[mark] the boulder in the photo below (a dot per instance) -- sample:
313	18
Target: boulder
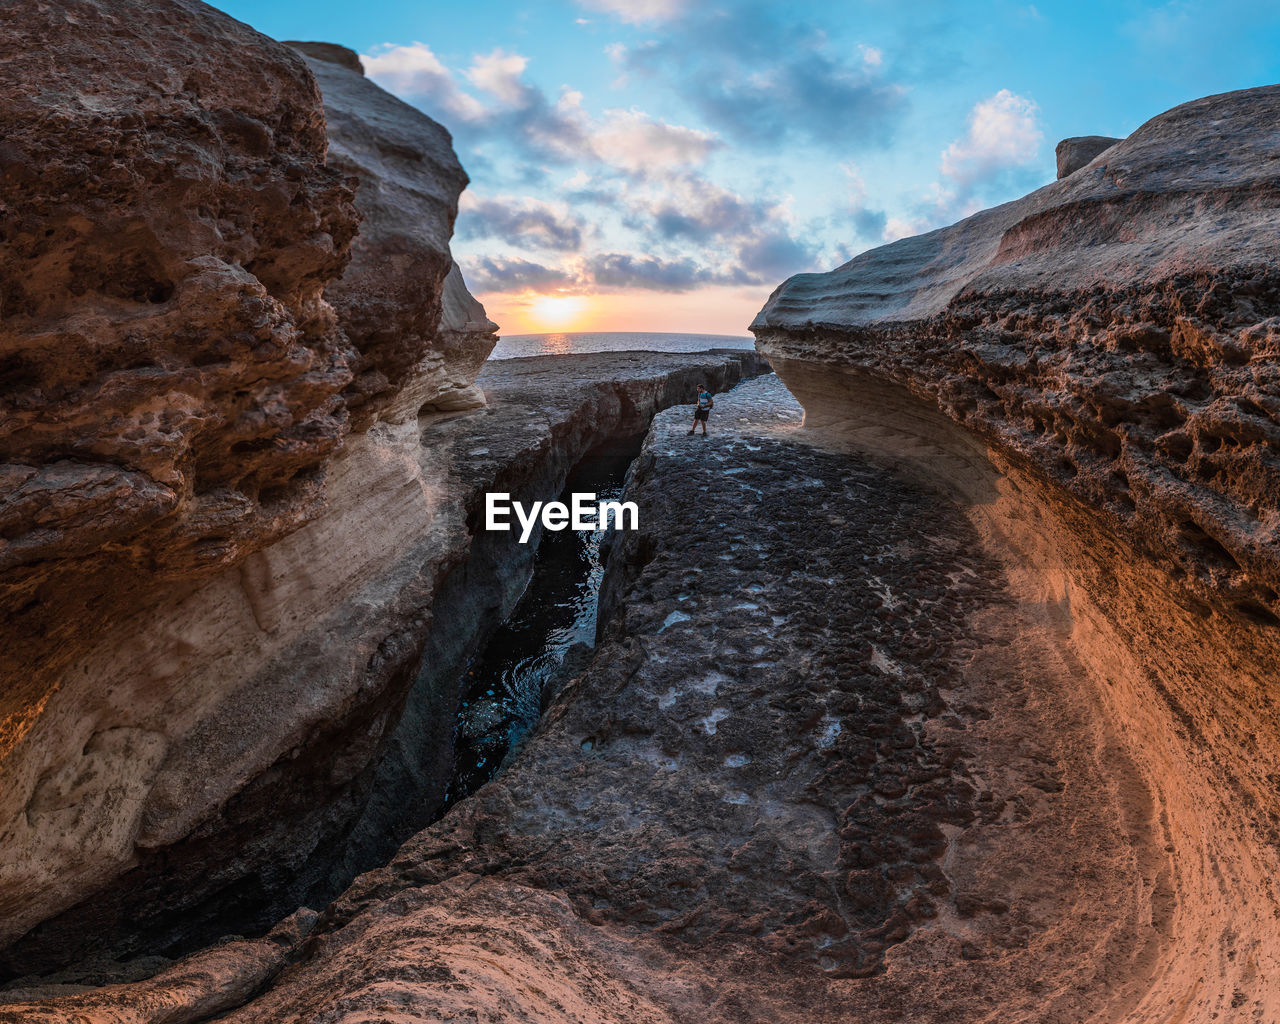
1074	153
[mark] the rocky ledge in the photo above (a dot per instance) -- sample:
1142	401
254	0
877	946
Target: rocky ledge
1092	371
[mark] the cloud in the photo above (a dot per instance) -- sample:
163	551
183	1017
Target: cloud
766	80
1003	132
605	270
691	207
501	274
688	208
508	109
765	260
773	255
633	141
995	158
414	70
629	270
868	223
512	110
499	73
903	227
519	221
670	227
637	11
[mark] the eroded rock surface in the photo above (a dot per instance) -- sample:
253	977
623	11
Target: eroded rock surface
172	382
1074	153
184	506
1117	330
171	373
1093	372
241	812
391	297
817	770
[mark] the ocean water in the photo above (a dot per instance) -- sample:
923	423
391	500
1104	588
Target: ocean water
519	345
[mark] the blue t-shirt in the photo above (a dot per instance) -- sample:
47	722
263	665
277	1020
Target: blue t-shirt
704	400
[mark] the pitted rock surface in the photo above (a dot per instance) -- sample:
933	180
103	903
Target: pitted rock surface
1117	331
390	300
170	371
814	771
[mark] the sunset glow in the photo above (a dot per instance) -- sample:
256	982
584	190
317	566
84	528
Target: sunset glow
663	165
557	312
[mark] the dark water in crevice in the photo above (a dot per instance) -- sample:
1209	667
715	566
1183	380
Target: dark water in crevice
501	702
507	681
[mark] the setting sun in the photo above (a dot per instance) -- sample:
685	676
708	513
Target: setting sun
557	312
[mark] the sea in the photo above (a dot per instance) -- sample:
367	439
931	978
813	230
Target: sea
518	345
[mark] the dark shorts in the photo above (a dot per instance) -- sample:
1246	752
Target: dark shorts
701	414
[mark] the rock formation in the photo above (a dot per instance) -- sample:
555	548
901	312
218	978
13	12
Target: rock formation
465	338
778	792
389	299
172	389
1092	370
438	598
955	703
203	642
1074	153
172	375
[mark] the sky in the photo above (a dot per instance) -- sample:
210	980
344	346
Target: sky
662	165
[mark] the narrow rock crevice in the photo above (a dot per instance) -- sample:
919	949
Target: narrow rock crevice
352	789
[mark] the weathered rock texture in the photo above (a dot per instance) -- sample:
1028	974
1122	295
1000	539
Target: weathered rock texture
1074	153
172	386
466	337
330	53
390	298
205	638
330	663
171	374
779	792
1094	371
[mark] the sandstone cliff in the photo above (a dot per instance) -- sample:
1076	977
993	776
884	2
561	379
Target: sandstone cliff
1093	371
390	299
1117	330
210	387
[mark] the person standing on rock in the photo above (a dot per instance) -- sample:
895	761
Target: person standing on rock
703	410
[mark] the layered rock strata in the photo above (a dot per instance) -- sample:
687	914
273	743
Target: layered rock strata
780	791
1074	153
1092	370
401	278
345	643
204	642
